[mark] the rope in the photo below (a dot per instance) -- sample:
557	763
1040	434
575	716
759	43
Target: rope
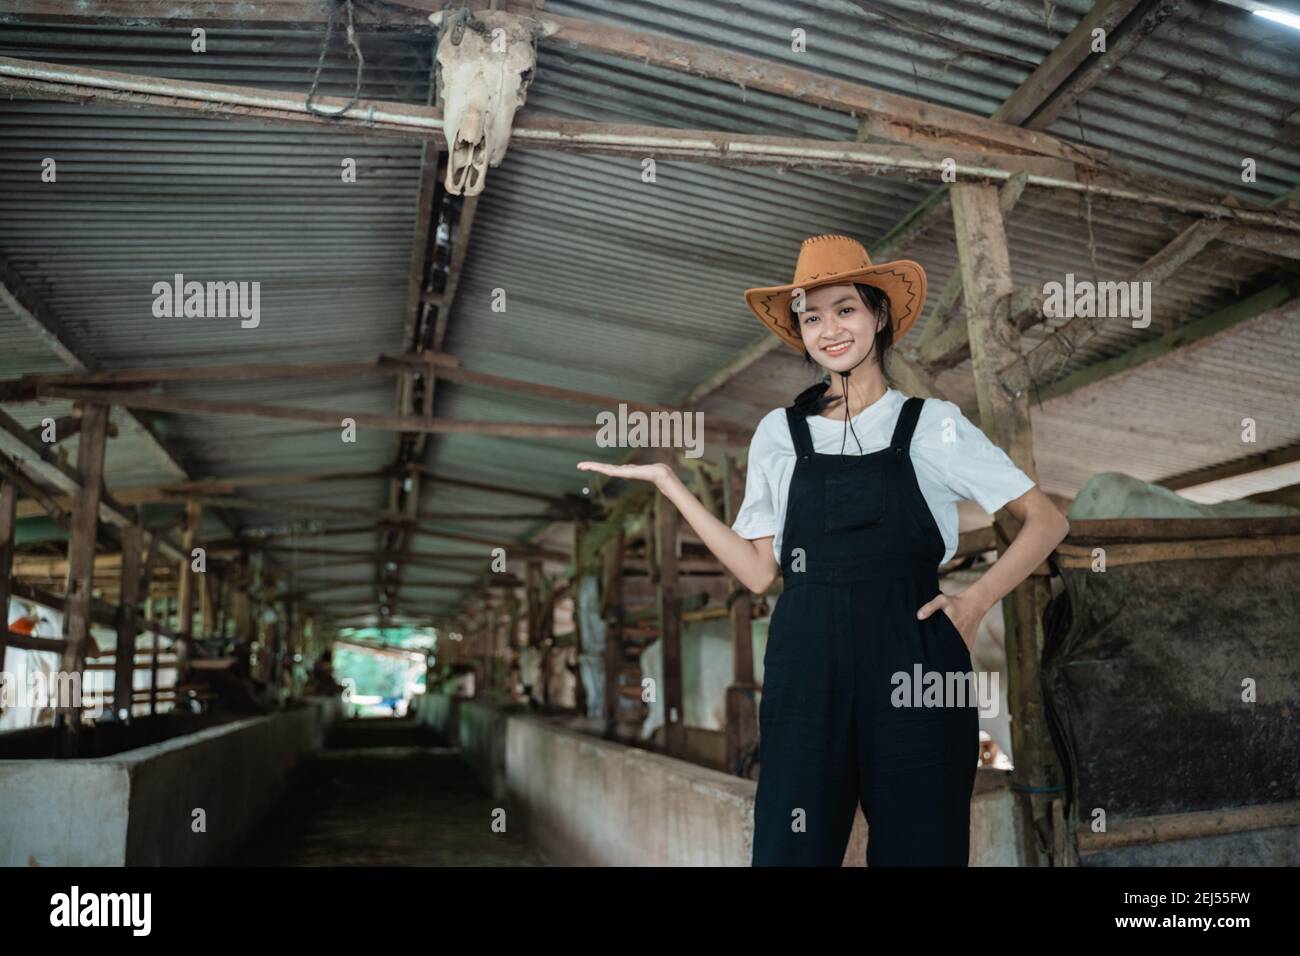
354	52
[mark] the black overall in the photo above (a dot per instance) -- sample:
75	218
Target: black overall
860	554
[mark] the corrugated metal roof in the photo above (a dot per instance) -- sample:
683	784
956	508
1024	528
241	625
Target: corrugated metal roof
615	285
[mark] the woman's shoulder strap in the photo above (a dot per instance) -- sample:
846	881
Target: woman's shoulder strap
796	414
907	418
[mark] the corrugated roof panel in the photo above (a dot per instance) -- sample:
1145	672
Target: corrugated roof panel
615	285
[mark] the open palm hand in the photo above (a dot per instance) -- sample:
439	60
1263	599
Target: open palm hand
654	473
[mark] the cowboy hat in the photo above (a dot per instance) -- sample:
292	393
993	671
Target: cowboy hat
828	260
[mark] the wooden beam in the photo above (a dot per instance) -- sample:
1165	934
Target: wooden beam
1126	24
939	319
1025	308
406	18
612	611
39	320
42	322
177	492
487	488
1026	371
1274	458
1073	556
488	516
1022	309
407	423
1277	301
39	80
239	372
81	553
1047	80
741	706
29	78
1272	241
28	565
891	115
1139	530
670	616
36	503
423	341
986	281
571	395
1168	827
37	460
67	426
185	597
279	506
431	558
1033	93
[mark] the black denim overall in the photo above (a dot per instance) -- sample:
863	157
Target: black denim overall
860	554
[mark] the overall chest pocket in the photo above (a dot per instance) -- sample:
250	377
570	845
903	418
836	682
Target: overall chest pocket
854	498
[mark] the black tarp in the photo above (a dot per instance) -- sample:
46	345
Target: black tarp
1143	679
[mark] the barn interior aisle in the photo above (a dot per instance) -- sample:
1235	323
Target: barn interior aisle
414	418
384	792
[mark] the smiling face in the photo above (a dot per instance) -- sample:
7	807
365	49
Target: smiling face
837	327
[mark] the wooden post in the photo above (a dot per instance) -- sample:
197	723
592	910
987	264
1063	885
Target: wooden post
670	615
283	643
613	632
127	616
580	531
81	552
185	593
485	636
8	507
986	280
207	606
153	658
533	584
741	711
243	617
512	635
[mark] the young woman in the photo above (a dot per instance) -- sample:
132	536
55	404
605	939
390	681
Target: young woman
851	495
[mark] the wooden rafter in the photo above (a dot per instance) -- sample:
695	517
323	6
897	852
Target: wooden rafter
42	321
35	79
335	418
42	467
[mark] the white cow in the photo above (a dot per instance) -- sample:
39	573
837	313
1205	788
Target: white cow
1115	495
706	675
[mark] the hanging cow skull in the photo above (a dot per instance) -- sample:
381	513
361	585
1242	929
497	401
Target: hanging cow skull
485	65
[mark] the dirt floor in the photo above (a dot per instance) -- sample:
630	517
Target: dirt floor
386	792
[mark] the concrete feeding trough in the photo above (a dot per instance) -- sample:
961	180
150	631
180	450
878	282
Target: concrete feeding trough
187	799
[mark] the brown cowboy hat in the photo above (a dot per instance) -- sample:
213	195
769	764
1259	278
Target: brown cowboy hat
828	260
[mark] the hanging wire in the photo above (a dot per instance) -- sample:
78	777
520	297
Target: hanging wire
844	387
354	52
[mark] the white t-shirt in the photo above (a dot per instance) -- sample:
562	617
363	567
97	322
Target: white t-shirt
953	460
